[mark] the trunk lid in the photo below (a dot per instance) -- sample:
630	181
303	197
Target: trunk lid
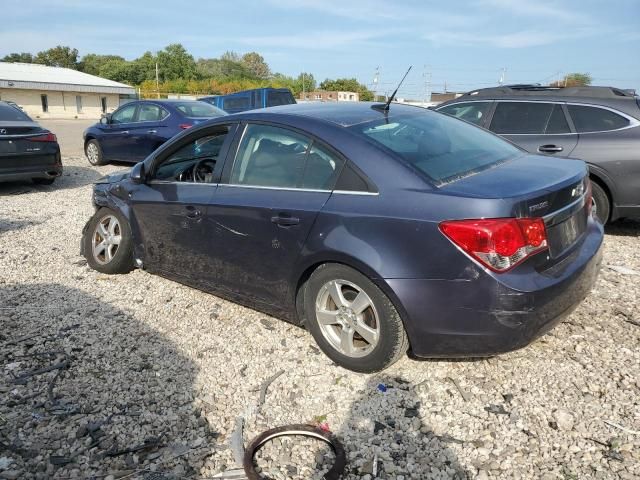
535	186
10	129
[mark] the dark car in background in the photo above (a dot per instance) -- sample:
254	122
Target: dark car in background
600	125
251	99
137	128
379	230
27	151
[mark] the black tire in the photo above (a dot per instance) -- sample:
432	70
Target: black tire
122	260
601	203
43	181
99	158
392	341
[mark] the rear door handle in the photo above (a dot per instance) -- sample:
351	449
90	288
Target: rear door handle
549	149
193	212
285	220
152	131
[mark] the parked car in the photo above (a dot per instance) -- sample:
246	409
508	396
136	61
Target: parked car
27	151
377	230
15	105
137	128
251	99
600	125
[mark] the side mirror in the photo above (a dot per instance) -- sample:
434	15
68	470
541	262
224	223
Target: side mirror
105	119
137	174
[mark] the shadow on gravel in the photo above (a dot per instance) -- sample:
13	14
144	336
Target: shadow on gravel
626	227
391	407
72	177
87	391
7	225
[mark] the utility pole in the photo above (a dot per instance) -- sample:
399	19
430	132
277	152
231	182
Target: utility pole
503	76
304	97
157	82
376	80
427	85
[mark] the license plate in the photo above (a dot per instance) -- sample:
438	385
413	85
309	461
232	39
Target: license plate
7	146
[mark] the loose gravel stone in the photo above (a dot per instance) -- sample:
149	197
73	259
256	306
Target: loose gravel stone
155	374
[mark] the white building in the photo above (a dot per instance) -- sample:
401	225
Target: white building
53	92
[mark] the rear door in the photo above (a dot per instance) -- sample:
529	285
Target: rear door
275	186
145	131
118	142
538	127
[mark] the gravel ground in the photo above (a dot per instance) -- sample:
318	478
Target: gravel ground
147	377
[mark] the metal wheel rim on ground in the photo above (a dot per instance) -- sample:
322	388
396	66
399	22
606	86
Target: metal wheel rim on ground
106	239
350	325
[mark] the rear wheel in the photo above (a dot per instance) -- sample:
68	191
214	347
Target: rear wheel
601	204
107	243
43	181
352	320
94	153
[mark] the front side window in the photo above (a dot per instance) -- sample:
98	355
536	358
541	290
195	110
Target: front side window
441	147
270	157
194	162
124	115
517	118
472	112
593	119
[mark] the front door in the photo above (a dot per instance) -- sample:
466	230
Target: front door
117	141
169	209
262	214
538	127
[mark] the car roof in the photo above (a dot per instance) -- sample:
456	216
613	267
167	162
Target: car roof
344	114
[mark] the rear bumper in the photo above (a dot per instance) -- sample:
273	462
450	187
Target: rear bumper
484	316
44	167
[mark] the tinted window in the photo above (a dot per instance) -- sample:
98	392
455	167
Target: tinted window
124	115
321	169
279	98
594	119
149	113
472	112
441	147
270	157
198	109
521	117
204	150
557	122
233	103
9	113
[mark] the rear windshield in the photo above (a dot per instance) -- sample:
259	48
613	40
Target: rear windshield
9	114
443	148
199	109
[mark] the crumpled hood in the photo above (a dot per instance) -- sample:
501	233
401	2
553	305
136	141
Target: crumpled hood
114	177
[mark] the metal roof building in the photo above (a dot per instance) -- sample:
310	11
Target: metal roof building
54	92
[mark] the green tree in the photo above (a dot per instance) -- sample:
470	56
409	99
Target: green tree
59	56
118	70
306	82
255	64
24	57
175	63
574	80
92	63
347	85
143	68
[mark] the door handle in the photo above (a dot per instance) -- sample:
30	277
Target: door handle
549	149
285	220
152	131
193	212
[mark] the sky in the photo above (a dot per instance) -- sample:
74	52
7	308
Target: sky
463	43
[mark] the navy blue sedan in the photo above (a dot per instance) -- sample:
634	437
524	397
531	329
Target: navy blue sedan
137	128
380	231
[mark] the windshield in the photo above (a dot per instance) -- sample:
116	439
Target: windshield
199	109
11	114
443	148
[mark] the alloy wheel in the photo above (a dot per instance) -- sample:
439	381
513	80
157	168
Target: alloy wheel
347	318
106	239
92	153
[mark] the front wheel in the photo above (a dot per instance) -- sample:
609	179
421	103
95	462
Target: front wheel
353	322
107	242
94	153
601	204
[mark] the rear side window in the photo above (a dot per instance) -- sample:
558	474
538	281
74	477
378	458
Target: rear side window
513	118
472	112
321	169
233	103
593	119
275	98
439	146
9	114
149	113
198	109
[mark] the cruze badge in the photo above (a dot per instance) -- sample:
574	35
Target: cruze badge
539	206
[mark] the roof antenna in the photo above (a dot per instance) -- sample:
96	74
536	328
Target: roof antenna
385	107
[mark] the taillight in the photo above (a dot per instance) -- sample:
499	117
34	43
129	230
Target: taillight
500	243
47	137
184	126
